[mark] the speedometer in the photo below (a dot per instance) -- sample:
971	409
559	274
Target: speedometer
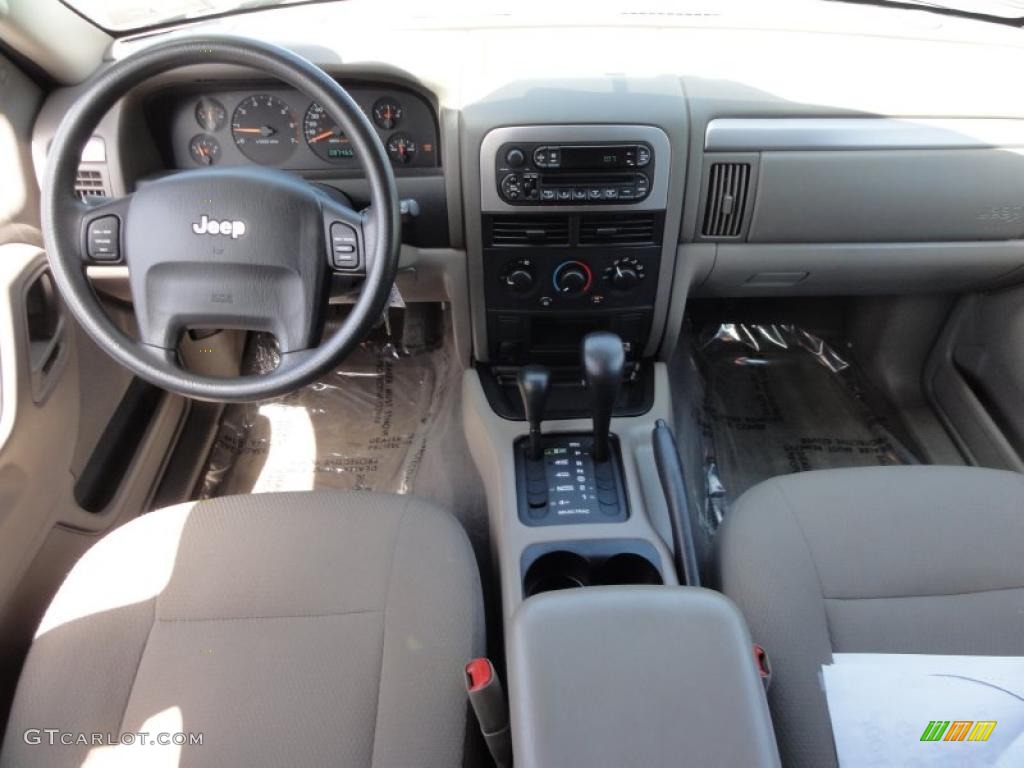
324	136
264	129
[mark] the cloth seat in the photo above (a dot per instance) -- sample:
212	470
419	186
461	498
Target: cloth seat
299	629
871	560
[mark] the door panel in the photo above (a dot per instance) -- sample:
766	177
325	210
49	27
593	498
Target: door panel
59	396
65	419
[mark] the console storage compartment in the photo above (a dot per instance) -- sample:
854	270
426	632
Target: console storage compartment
635	675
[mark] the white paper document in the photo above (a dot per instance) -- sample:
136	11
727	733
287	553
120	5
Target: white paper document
915	710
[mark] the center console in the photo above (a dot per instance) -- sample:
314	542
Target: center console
573	221
616	656
573	239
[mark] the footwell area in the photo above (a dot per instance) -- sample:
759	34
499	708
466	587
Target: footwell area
363	427
777	400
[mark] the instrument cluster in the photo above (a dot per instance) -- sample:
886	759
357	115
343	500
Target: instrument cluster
284	129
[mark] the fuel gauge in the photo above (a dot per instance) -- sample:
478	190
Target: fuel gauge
204	149
401	149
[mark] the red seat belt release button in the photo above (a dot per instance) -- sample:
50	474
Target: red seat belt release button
487	697
479	674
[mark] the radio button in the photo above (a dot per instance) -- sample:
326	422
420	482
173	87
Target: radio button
594	193
643	156
626	193
547	194
611	193
565	193
579	193
540	156
554	157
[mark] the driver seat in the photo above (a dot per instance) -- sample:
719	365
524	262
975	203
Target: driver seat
316	628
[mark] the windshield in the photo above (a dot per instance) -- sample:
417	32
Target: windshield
124	15
129	15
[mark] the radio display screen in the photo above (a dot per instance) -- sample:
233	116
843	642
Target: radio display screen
598	157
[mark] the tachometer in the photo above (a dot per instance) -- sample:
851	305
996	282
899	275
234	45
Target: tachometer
264	129
401	149
324	136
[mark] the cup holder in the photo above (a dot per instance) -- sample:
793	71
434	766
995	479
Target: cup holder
628	568
565	569
557	570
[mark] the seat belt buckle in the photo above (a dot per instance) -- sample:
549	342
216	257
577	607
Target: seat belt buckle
764	666
487	697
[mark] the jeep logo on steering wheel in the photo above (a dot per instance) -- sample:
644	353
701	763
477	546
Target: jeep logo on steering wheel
208	226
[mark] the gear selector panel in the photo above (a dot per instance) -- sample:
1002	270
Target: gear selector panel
566	486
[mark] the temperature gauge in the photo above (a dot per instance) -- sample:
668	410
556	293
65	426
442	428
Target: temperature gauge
204	149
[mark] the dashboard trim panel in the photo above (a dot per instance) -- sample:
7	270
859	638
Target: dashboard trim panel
794	134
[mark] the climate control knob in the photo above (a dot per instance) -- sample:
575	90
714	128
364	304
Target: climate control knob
518	276
624	274
572	278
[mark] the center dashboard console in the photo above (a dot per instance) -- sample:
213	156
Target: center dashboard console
573	222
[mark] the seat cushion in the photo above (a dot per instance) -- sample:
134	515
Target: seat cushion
872	560
294	629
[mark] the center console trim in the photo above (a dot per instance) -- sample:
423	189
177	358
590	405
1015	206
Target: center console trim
656	200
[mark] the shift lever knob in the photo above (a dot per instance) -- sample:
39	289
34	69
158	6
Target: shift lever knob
603	362
534	381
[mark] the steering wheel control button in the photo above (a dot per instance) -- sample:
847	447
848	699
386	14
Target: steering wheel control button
344	246
103	239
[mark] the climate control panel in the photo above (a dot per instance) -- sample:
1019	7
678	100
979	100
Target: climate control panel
548	281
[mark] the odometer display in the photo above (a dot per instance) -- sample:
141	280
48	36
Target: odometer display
264	129
325	137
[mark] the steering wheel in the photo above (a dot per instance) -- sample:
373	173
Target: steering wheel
242	248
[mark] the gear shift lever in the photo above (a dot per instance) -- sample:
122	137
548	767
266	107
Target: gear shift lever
534	381
603	362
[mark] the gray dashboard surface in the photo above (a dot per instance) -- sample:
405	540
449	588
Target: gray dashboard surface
753	134
668	71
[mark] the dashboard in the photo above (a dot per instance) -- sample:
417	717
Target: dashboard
281	128
762	178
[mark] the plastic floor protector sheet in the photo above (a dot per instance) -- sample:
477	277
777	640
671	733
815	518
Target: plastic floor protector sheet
917	710
778	400
363	427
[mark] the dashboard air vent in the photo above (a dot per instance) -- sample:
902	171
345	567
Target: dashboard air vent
618	229
727	199
530	230
90	183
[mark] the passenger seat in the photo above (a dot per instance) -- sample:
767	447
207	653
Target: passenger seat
872	560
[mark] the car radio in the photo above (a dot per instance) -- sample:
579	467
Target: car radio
538	173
